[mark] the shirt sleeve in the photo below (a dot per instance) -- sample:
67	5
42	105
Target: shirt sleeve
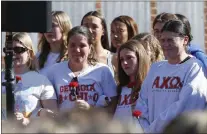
48	92
142	104
194	50
193	96
108	83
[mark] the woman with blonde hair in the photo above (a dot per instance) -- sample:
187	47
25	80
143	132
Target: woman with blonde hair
52	46
32	98
151	45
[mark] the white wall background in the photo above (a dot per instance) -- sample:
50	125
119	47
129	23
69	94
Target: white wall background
139	11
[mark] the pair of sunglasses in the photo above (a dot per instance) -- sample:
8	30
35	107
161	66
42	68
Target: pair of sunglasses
19	50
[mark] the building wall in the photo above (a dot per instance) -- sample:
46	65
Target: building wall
142	12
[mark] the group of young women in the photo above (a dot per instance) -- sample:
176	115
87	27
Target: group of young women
75	67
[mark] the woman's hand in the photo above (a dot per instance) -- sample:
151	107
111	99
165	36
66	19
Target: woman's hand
82	104
45	112
20	117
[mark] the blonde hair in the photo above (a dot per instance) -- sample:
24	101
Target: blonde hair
150	40
65	25
26	41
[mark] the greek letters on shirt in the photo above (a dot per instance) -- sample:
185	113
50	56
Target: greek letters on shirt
85	92
168	83
126	99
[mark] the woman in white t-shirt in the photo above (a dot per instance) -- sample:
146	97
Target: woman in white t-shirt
34	94
96	23
133	66
52	46
94	79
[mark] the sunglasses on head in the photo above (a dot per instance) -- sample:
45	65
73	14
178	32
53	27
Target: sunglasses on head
19	50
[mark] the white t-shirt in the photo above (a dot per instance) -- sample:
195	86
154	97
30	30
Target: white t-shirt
169	90
109	61
35	87
51	60
94	81
124	110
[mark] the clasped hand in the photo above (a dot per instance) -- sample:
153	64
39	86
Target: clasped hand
82	104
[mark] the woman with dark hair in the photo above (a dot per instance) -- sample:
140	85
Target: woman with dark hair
193	49
123	28
158	24
92	79
172	86
133	66
96	24
160	21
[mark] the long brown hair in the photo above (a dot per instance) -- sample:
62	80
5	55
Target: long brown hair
143	65
104	38
132	27
44	47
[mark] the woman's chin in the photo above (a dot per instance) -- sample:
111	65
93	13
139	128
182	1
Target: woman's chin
18	65
78	61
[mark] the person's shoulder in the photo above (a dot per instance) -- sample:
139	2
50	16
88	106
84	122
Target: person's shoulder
57	66
159	63
34	75
99	65
194	61
194	49
33	78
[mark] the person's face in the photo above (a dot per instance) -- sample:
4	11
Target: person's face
95	27
55	35
172	44
128	61
157	29
119	33
78	49
21	54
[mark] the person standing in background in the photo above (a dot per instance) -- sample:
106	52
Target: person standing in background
52	47
151	45
96	24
